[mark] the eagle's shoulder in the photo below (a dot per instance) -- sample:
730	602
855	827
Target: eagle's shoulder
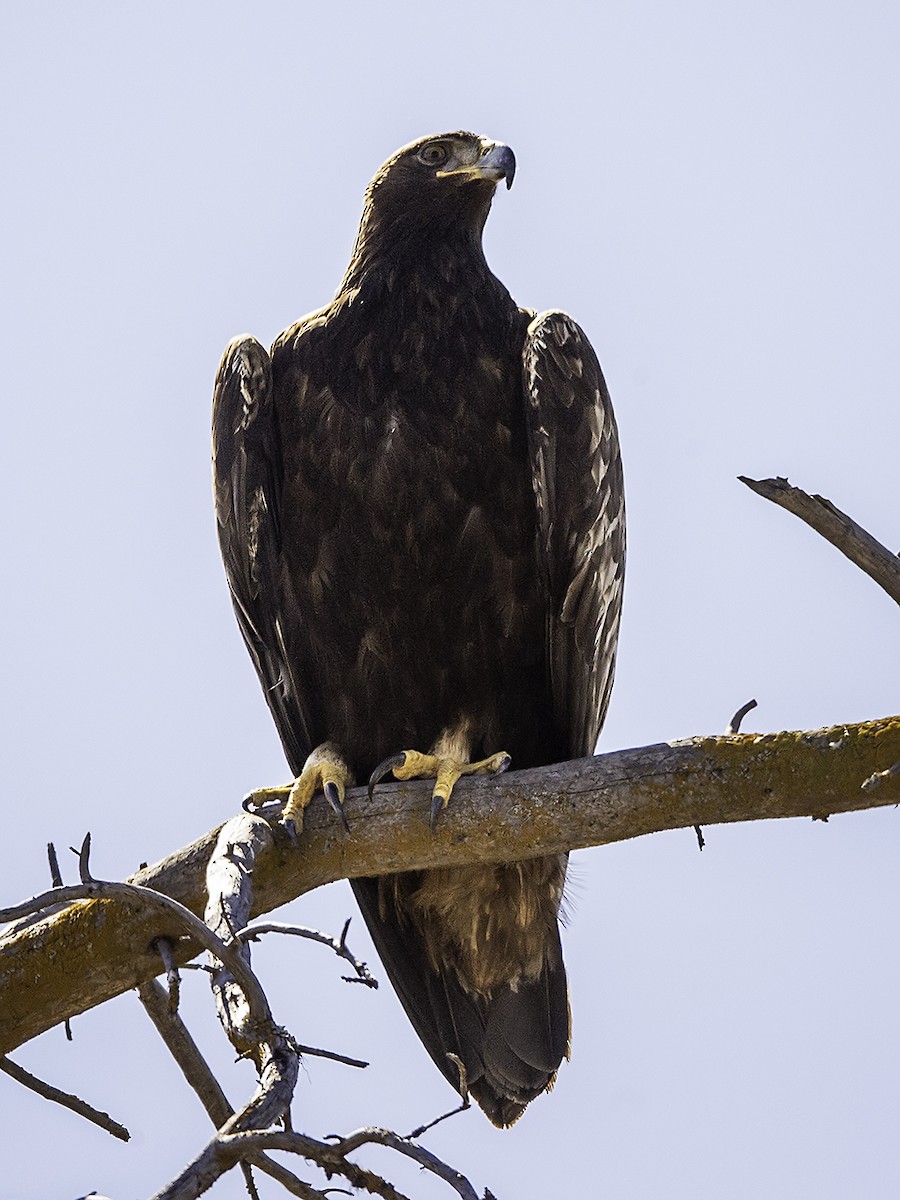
302	334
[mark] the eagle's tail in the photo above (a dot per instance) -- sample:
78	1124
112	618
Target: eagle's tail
526	1035
510	1043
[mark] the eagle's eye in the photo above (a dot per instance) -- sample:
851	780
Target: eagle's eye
434	154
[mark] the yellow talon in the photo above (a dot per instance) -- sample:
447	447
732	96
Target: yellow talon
324	771
443	769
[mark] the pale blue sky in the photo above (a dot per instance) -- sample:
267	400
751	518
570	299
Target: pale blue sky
712	191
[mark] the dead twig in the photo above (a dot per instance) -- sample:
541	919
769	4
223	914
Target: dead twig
466	1103
338	945
198	1074
384	1137
332	1054
225	1151
734	724
228	1148
164	949
836	527
55	875
84	859
243	1010
66	1099
56	881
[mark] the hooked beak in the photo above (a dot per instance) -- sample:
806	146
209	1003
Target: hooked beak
496	163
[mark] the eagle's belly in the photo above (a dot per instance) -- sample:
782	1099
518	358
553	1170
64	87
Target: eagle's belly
415	572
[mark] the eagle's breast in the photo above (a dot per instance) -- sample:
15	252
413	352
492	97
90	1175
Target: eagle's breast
409	520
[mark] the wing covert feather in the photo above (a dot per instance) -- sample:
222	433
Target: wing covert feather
247	481
580	495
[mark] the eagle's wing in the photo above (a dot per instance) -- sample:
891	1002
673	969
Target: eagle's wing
247	480
580	496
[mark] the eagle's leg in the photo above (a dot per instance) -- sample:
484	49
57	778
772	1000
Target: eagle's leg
325	771
446	763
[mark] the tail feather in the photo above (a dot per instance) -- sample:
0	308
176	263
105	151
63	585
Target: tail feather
510	1043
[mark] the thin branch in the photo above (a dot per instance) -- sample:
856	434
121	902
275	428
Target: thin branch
165	950
242	1004
338	945
84	858
384	1137
464	1106
277	1077
249	1181
229	1148
224	1152
198	1074
56	881
243	843
331	1054
836	527
82	958
734	724
66	1099
55	875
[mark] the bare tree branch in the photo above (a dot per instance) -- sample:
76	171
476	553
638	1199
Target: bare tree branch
198	1074
185	1051
277	1078
332	1157
242	843
142	901
734	725
333	1055
49	970
384	1137
242	1005
836	527
338	945
66	1099
55	875
173	981
228	1149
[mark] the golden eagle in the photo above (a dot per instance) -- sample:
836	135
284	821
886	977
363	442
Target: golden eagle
420	508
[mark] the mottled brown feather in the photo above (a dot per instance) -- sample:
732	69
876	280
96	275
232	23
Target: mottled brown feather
420	508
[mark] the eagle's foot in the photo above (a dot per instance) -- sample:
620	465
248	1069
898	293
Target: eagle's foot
325	771
443	769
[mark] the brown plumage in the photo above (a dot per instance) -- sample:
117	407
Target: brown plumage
421	514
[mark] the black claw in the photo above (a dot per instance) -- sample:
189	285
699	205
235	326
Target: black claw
269	811
504	764
333	796
396	760
291	830
438	803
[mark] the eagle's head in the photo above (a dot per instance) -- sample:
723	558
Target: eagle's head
436	189
445	165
